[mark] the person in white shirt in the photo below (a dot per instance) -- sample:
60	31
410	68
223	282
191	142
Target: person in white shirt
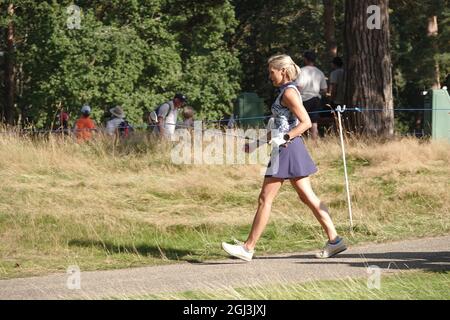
117	118
167	114
312	84
337	89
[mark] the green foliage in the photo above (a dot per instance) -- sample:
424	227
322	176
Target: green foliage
270	27
126	53
139	53
414	54
212	71
92	65
212	81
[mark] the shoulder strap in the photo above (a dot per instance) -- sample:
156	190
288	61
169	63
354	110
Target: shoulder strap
170	108
289	86
293	87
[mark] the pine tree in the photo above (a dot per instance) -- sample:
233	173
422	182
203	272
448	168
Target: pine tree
368	67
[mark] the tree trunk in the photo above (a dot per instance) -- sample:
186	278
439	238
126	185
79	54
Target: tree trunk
329	26
433	33
10	76
368	67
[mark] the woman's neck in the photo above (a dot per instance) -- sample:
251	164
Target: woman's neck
284	84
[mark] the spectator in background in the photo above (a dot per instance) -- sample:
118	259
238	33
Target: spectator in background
118	125
227	121
117	117
418	127
148	121
84	125
167	115
63	122
188	117
231	122
311	84
337	89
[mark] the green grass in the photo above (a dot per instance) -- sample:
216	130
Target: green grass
401	286
46	239
105	208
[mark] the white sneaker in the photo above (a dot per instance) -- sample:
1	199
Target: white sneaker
331	250
238	251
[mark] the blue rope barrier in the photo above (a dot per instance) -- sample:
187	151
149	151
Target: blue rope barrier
144	126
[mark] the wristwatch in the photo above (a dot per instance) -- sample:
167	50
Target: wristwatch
287	137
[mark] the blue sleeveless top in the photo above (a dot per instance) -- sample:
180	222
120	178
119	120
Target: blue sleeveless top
284	119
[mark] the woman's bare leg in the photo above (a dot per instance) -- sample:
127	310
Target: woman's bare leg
269	190
320	210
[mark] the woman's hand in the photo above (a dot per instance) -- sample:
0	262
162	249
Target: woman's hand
278	141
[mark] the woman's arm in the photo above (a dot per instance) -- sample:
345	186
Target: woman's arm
160	125
292	100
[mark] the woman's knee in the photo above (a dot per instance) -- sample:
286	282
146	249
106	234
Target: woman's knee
311	201
265	199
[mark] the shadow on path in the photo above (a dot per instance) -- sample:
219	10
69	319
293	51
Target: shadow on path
144	250
432	261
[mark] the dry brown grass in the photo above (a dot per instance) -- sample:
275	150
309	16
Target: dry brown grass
68	179
53	191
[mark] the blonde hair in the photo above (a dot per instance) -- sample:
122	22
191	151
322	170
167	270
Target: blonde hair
283	61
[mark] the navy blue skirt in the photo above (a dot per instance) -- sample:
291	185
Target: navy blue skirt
292	161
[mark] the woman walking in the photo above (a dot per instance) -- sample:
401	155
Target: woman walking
290	160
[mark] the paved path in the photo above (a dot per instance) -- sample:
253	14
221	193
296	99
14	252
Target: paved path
423	254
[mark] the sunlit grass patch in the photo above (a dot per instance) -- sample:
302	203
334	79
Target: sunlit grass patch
106	207
401	286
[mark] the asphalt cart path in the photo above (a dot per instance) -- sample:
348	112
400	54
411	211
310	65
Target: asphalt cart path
420	254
